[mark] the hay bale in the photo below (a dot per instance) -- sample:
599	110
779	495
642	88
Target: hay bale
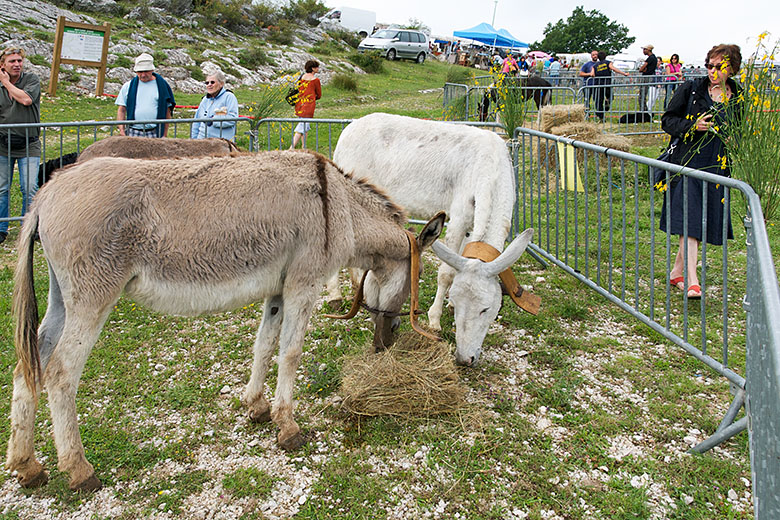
556	115
580	131
416	376
616	142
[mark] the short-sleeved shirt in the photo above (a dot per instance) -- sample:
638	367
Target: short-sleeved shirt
652	63
587	67
11	111
146	100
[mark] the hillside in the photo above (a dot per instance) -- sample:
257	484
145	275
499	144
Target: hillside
184	49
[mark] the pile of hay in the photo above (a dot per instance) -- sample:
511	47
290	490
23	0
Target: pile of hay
579	131
551	116
416	376
616	142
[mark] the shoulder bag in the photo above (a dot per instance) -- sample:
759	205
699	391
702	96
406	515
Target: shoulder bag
658	175
293	93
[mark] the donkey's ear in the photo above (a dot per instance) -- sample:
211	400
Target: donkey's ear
432	230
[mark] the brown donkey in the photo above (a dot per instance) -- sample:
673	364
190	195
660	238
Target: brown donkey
188	238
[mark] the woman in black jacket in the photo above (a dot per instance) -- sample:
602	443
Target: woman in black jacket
699	114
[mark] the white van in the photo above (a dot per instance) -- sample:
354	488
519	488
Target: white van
357	20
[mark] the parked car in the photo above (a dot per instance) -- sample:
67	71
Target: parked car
397	43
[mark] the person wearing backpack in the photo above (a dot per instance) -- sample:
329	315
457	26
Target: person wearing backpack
309	91
218	103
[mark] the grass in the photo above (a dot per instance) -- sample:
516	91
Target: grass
566	416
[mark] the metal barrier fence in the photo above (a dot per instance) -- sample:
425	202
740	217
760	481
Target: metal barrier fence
605	236
628	108
479	103
615	106
58	139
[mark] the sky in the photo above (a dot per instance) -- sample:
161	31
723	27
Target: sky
684	27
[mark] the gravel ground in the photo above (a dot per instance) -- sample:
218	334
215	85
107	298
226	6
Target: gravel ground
296	474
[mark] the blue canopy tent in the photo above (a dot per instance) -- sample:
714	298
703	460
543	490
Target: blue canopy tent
485	33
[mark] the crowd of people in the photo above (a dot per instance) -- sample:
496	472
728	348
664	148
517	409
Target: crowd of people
652	71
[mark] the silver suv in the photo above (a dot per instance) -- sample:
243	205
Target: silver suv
397	43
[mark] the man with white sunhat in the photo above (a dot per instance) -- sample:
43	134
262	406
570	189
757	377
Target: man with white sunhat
146	96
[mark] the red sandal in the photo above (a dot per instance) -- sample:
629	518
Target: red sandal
694	292
677	282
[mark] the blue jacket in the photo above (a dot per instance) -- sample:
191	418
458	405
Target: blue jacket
208	105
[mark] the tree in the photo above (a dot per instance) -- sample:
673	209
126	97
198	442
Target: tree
417	25
583	32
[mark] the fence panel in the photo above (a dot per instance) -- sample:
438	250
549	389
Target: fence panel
59	139
605	235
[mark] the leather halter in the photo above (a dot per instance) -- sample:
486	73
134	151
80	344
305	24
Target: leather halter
487	253
357	302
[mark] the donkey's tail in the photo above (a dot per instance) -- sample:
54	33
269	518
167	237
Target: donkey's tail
25	306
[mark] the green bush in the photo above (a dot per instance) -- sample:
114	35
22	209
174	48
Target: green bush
159	58
350	38
230	14
459	75
196	73
264	13
37	59
43	36
180	7
321	50
281	33
123	61
372	62
308	11
253	58
345	82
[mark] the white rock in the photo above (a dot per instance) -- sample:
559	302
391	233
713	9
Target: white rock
301	500
543	423
733	495
687	499
225	389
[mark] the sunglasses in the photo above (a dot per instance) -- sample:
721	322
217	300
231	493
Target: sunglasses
710	66
209	82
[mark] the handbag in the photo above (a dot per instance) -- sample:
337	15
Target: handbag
293	93
658	175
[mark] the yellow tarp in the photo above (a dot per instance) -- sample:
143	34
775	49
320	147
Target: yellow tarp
570	177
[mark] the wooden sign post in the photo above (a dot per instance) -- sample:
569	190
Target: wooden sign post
81	44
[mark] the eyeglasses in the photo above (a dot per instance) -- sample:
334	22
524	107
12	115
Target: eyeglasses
209	82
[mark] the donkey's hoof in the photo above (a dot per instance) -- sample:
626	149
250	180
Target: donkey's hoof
291	443
260	416
89	485
34	481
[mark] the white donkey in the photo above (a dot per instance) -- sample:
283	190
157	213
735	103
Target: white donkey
187	238
428	166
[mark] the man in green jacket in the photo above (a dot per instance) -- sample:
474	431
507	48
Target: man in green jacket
20	98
